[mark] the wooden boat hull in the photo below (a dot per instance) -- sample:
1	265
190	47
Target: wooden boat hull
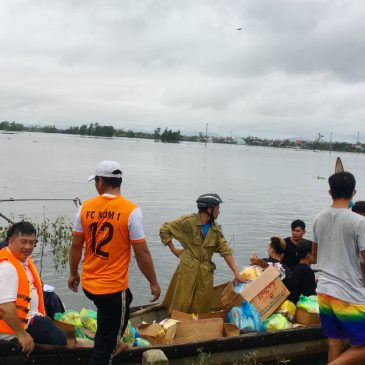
266	348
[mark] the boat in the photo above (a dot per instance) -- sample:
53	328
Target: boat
301	345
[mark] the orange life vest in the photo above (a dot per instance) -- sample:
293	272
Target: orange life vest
24	290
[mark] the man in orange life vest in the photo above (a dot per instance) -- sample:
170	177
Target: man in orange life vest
110	226
22	313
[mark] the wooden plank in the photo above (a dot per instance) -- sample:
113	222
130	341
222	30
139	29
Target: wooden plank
339	165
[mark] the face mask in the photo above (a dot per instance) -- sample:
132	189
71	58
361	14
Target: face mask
351	204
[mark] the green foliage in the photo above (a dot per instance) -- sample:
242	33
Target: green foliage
248	358
7	126
54	236
169	136
203	357
57	236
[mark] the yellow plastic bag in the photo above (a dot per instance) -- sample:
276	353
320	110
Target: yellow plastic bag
88	319
288	309
251	272
70	317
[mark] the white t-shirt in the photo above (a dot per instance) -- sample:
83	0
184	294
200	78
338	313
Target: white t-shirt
135	223
340	234
9	290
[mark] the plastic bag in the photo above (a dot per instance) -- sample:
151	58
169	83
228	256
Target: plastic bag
238	286
129	335
141	342
167	323
246	317
287	309
309	304
249	273
252	272
88	319
72	317
277	321
69	317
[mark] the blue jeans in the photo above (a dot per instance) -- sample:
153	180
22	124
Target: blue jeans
44	331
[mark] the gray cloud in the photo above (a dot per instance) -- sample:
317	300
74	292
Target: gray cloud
295	68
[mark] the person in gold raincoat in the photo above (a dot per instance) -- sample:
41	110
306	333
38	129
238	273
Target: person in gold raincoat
191	287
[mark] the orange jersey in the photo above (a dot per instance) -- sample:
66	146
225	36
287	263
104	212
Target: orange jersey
106	222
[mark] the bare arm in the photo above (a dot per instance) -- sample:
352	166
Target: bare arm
173	249
362	265
10	316
145	264
74	258
231	263
314	251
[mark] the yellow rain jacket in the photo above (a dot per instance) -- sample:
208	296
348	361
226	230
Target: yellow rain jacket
191	286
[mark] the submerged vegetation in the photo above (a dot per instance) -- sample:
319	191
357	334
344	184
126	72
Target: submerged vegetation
54	238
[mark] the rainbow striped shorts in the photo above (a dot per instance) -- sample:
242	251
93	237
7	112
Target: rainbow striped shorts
341	319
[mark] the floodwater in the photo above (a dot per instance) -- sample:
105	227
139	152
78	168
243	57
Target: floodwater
263	189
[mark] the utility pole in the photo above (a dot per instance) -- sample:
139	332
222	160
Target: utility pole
320	136
206	134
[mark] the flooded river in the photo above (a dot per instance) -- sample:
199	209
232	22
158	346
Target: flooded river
263	189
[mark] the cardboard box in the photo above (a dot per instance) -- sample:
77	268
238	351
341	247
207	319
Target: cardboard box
303	317
155	334
230	298
181	316
188	329
217	296
215	314
69	329
266	293
184	317
230	330
199	330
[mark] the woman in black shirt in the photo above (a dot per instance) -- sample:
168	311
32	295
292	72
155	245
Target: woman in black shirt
304	281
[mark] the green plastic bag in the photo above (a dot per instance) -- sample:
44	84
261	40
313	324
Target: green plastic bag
72	317
141	342
277	321
128	336
69	317
309	304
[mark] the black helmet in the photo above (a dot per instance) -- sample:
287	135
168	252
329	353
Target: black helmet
208	200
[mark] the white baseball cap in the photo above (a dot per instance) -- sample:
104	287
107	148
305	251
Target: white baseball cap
107	169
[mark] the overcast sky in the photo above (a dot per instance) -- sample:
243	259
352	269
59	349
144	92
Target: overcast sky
295	69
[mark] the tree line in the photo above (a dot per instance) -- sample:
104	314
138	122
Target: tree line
314	145
170	136
98	130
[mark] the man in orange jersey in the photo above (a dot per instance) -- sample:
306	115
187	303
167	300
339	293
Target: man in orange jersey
109	225
22	313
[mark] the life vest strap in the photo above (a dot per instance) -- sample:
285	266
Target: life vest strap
21	307
25	297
